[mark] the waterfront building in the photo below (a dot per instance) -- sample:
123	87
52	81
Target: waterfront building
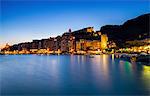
51	44
57	43
86	45
111	44
94	45
81	40
26	46
19	47
14	47
65	42
35	44
137	42
137	46
104	40
44	43
72	44
81	45
6	48
47	44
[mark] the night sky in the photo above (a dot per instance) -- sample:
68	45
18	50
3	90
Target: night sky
26	20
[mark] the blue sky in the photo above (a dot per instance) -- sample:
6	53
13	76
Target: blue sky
26	20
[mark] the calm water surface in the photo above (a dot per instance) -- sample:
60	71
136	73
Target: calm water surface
71	75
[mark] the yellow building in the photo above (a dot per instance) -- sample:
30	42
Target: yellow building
71	44
104	40
80	45
88	45
90	29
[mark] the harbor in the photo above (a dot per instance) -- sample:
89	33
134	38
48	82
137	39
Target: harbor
72	75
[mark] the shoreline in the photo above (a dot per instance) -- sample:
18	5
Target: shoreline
144	59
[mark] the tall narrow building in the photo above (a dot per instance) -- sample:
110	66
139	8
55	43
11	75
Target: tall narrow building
104	40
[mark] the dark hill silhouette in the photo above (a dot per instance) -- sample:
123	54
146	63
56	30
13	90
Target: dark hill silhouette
134	29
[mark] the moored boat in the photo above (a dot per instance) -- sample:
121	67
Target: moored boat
91	56
144	59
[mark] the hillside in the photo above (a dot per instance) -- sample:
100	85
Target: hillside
134	29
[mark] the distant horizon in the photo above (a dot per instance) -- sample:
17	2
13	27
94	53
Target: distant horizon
41	20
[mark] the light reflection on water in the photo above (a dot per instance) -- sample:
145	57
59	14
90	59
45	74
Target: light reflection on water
146	76
72	74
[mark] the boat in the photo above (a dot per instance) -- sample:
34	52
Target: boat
91	56
144	59
125	57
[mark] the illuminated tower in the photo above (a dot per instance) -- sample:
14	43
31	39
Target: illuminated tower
71	42
104	40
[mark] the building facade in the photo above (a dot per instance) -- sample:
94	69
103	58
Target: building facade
104	40
81	40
